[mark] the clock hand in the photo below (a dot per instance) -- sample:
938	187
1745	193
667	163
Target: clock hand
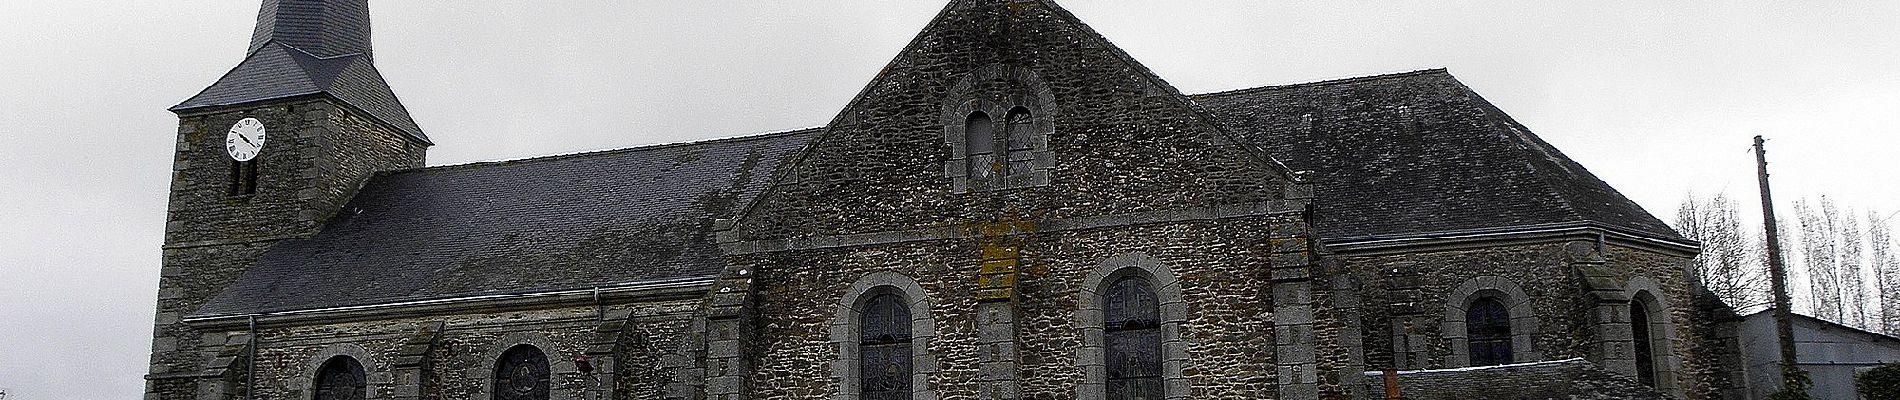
246	140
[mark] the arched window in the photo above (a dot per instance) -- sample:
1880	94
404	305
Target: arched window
1132	334
885	347
1488	329
341	378
980	145
1640	335
1021	129
521	374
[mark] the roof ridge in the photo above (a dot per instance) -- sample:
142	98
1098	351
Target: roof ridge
602	152
1328	82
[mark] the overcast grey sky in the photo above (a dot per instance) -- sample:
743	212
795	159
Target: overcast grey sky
1657	98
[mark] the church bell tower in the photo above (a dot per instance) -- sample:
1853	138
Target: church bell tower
268	153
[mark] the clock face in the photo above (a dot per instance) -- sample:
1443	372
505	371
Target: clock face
245	139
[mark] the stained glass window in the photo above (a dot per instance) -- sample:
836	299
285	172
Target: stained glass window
885	349
522	374
341	378
1132	333
1645	352
1488	330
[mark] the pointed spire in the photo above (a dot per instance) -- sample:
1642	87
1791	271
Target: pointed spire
308	47
324	28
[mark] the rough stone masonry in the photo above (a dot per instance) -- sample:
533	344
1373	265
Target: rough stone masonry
1013	208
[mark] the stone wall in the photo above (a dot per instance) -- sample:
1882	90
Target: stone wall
458	352
1224	268
1407	295
1573	379
1122	165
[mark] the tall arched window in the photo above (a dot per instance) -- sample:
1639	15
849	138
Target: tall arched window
1132	334
341	378
1645	348
980	145
521	374
884	345
1488	327
1021	128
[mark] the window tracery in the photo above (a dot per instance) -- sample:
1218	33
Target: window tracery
341	378
885	346
522	374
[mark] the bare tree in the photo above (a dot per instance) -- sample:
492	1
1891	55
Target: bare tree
1882	259
1853	293
1729	265
1818	236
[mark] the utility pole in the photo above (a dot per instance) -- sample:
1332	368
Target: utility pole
1778	274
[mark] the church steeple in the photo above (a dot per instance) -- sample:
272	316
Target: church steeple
268	153
310	47
324	28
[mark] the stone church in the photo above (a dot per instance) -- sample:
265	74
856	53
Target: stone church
1013	208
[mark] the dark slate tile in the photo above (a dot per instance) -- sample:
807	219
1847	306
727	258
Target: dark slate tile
1419	152
563	222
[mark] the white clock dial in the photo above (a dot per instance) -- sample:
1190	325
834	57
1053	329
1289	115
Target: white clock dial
245	139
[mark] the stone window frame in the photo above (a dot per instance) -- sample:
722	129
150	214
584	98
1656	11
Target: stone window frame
962	100
559	364
1645	291
1525	326
374	375
1092	358
845	329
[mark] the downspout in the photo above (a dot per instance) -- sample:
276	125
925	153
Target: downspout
250	367
600	310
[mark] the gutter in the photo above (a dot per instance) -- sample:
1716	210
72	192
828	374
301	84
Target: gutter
661	289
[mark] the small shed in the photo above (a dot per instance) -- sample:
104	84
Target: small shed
1831	353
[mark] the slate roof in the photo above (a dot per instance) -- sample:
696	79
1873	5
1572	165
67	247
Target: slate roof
535	225
326	28
307	47
1416	153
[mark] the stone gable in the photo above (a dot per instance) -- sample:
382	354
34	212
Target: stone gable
1116	139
